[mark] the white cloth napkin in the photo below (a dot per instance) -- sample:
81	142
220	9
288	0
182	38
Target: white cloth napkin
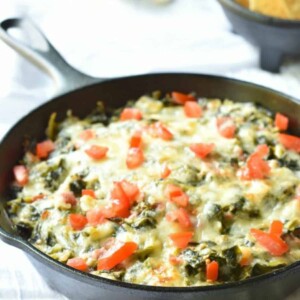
114	38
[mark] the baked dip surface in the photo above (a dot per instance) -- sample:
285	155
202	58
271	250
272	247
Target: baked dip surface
171	191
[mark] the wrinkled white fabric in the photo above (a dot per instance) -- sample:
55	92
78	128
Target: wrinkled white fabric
107	38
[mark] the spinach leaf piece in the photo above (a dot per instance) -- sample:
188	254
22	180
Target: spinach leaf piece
55	175
77	185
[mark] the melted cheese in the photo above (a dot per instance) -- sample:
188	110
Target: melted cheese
222	207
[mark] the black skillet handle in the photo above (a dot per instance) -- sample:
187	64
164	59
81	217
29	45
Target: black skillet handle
41	53
44	55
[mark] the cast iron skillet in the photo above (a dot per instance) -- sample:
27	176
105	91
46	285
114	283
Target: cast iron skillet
86	92
276	38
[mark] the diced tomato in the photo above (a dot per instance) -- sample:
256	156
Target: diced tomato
116	254
164	133
181	239
256	168
262	150
118	193
119	209
77	221
121	201
165	172
69	198
159	130
136	140
226	127
271	242
281	122
44	148
183	218
126	192
130	114
174	260
181	98
276	228
21	174
45	214
192	109
37	197
96	216
130	189
180	215
90	193
135	158
246	257
212	271
96	152
87	134
201	149
78	264
290	142
177	195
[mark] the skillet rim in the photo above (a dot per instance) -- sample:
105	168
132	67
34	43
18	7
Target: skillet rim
28	248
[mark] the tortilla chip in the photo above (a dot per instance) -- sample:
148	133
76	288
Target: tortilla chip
275	8
293	7
243	3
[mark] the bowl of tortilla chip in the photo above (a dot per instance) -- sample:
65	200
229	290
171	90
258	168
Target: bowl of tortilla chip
272	25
